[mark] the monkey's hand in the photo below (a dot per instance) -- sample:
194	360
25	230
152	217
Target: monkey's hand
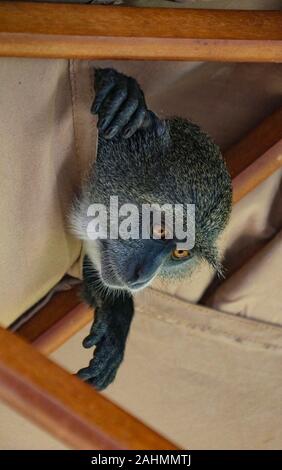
121	107
108	333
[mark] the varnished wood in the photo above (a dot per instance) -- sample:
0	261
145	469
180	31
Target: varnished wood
257	172
89	20
73	321
254	144
56	309
256	156
110	32
64	405
61	318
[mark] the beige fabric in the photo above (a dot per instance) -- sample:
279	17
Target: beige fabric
207	380
17	433
40	169
255	290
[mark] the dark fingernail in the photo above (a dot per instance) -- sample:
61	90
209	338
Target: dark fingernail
111	132
94	108
83	374
101	124
127	133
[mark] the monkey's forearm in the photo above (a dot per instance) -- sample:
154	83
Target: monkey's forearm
109	331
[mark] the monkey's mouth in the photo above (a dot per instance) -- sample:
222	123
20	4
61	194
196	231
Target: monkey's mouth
135	286
113	274
114	281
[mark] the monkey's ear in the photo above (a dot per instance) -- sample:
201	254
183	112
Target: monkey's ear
121	106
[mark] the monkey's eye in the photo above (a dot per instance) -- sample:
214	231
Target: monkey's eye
160	232
180	254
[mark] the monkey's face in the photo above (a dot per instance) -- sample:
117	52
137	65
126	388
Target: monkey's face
133	264
184	167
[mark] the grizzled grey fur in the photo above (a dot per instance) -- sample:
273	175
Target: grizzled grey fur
171	161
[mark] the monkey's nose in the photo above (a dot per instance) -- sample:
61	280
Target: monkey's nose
137	273
139	278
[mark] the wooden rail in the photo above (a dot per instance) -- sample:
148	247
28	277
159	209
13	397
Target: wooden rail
64	405
255	157
110	32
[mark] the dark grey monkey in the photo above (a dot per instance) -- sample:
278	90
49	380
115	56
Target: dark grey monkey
143	160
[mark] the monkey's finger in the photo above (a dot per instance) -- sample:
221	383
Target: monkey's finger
151	121
106	381
92	339
111	106
101	360
107	378
84	373
105	75
159	126
106	359
102	376
95	368
148	121
122	117
100	96
135	123
105	80
103	381
91	372
97	332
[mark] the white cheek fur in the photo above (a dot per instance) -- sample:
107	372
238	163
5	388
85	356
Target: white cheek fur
93	250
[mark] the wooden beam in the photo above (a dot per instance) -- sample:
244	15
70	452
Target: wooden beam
254	144
64	405
47	316
110	32
256	156
60	319
51	339
257	172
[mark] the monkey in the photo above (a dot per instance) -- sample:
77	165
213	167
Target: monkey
142	159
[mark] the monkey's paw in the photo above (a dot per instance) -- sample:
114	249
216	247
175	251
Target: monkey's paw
109	337
120	105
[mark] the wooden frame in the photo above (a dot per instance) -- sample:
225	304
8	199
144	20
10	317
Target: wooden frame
31	383
109	32
48	395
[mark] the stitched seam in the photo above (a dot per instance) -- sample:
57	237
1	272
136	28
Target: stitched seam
231	318
91	88
73	84
192	327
